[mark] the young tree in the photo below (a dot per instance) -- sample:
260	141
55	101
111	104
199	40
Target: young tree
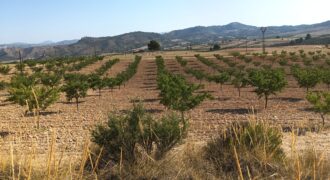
235	54
326	78
239	81
321	103
76	87
220	78
96	83
307	78
153	46
177	94
26	92
267	82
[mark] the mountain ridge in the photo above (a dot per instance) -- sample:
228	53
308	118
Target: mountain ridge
137	39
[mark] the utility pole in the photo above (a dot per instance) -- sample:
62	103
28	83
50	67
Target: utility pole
263	31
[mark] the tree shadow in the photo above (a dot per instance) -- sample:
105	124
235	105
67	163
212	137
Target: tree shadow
4	134
222	99
70	102
151	111
42	113
239	111
149	83
289	99
149	87
150	100
6	103
307	109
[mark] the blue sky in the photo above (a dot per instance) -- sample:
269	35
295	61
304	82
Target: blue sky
35	21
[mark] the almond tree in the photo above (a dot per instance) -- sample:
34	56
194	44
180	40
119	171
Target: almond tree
267	82
307	78
76	87
321	103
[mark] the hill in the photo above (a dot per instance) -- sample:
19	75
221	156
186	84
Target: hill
178	38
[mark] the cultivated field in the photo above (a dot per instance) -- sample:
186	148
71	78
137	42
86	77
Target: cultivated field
66	131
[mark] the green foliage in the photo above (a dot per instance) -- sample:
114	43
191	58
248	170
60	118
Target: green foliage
181	61
283	62
239	81
326	77
207	62
104	68
247	60
153	46
96	82
199	75
216	47
124	76
25	92
3	85
267	82
258	148
31	63
4	69
321	103
220	78
123	134
307	78
175	92
51	80
85	61
76	87
20	67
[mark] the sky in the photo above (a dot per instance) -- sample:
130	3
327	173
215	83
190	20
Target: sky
35	21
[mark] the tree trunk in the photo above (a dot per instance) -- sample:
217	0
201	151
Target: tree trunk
99	93
323	119
239	91
266	102
77	103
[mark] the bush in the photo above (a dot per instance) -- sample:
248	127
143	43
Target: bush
124	134
258	148
3	85
4	69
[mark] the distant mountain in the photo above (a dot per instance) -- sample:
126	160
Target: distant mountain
138	40
45	43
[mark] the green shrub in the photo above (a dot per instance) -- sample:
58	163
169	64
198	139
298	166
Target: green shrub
3	85
4	69
258	148
124	134
283	62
